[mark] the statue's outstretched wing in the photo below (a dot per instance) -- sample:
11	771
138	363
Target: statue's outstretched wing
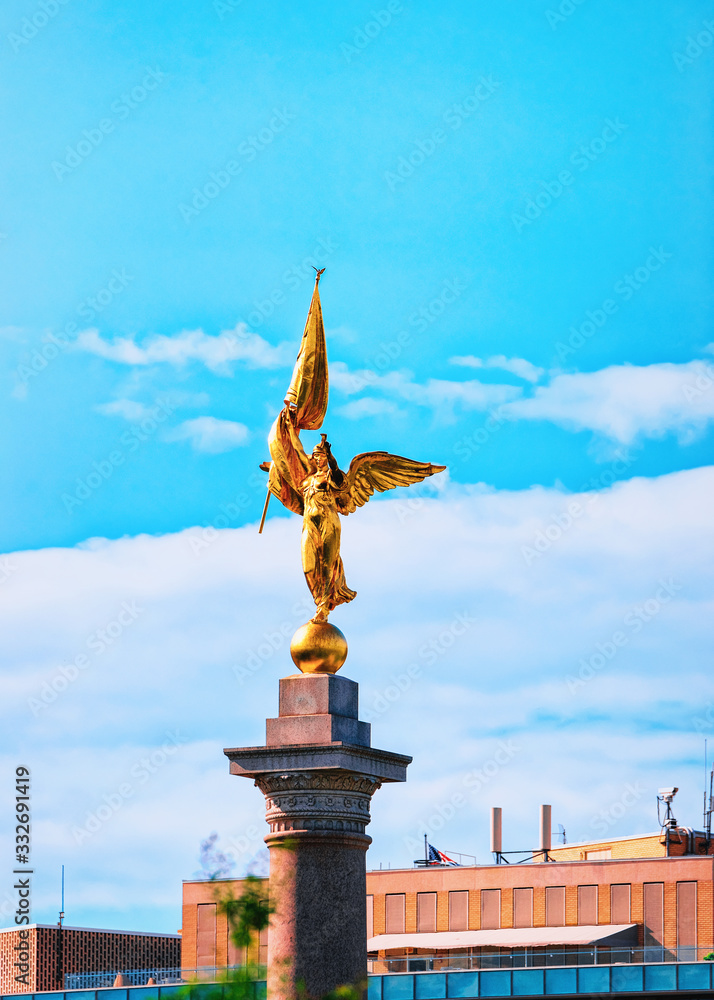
380	471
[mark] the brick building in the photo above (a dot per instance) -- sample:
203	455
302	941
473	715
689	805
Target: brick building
643	895
205	938
41	956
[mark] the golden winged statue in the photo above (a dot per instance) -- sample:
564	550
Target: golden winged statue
314	486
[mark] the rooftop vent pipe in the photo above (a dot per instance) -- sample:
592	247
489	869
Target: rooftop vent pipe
545	830
496	831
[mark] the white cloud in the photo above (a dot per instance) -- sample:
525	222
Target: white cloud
129	409
623	402
366	407
441	395
17	334
626	402
210	434
341	333
350	381
517	366
216	352
214	608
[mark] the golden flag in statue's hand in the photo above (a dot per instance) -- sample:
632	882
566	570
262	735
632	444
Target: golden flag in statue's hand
309	385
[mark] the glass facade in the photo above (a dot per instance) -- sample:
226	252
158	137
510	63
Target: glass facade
677	977
563	982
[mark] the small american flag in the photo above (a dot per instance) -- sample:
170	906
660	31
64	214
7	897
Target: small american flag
439	858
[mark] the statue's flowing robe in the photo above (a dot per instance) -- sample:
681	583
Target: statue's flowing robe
320	545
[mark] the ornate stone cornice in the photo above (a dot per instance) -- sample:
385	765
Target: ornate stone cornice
318	781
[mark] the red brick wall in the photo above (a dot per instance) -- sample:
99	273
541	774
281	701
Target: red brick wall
411	913
9	941
571	903
705	910
379	914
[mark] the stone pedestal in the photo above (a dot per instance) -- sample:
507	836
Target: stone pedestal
318	774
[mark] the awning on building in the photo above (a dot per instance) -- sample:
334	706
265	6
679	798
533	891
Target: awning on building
510	937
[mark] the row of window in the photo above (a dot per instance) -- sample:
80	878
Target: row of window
492	906
206	940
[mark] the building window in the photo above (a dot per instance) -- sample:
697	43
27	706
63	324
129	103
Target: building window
394	912
263	946
490	909
620	904
236	956
687	921
370	916
522	907
206	935
587	905
654	920
459	911
426	911
554	906
602	854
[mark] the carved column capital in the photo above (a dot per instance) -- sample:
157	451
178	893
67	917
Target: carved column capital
317	802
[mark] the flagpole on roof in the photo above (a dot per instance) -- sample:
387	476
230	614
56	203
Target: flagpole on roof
426	850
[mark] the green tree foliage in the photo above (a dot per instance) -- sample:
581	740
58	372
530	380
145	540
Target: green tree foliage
249	914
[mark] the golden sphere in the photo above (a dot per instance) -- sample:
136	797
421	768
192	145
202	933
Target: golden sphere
318	648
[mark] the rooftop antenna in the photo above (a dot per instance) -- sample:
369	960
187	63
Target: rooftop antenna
60	942
708	807
561	833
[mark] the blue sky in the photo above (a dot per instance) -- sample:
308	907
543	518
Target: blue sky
513	206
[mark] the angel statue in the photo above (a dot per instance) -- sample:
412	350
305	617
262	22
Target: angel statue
313	485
